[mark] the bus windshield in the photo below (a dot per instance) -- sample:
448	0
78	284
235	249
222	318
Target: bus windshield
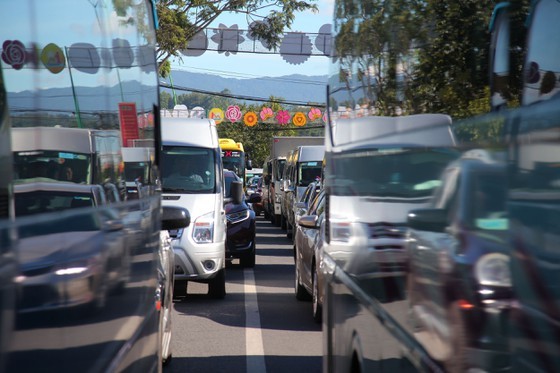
234	160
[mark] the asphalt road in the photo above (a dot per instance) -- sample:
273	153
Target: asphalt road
258	327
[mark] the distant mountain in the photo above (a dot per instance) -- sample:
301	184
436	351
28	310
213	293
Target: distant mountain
295	87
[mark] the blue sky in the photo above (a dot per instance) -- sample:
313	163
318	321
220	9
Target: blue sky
249	65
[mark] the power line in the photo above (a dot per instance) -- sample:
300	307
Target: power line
241	97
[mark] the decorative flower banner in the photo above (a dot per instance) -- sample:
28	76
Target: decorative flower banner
233	114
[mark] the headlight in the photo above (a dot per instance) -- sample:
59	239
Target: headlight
493	270
341	231
239	216
203	231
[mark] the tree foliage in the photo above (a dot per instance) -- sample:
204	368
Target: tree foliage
181	20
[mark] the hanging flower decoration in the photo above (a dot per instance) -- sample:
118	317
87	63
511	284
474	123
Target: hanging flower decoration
283	117
299	119
250	119
314	114
233	113
14	54
217	114
266	113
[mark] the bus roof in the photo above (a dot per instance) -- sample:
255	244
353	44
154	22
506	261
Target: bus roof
229	144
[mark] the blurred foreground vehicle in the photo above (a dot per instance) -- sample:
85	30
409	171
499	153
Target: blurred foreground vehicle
524	65
493	69
458	274
87	279
241	226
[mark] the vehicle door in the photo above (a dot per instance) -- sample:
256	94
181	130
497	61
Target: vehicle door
310	236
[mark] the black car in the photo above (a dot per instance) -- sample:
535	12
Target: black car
241	227
459	280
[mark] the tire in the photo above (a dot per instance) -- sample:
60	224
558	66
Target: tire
278	220
266	214
217	285
317	307
301	293
180	288
282	222
249	260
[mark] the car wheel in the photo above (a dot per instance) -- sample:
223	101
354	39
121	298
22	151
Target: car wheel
277	220
289	230
282	222
317	308
249	260
180	288
217	285
301	293
266	214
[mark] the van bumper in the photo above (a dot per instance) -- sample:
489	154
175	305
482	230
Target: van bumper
198	262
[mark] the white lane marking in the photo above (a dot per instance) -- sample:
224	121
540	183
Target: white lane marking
253	335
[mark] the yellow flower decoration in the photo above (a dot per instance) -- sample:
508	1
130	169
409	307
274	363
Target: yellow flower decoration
250	119
299	119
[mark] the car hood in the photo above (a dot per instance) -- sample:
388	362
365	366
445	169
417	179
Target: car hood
196	204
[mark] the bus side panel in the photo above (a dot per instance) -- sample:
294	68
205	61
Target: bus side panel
87	276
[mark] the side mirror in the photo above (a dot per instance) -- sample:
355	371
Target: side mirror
249	165
308	221
236	192
432	220
174	217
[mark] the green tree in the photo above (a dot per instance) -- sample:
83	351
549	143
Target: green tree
165	100
181	20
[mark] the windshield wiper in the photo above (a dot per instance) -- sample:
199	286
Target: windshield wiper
173	190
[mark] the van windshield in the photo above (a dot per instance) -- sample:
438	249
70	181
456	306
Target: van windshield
309	172
390	172
187	169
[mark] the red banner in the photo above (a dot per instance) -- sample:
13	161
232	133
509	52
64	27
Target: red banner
129	122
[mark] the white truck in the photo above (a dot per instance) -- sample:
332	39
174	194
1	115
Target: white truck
273	169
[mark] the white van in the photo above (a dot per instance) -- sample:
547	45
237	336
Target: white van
303	167
192	178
